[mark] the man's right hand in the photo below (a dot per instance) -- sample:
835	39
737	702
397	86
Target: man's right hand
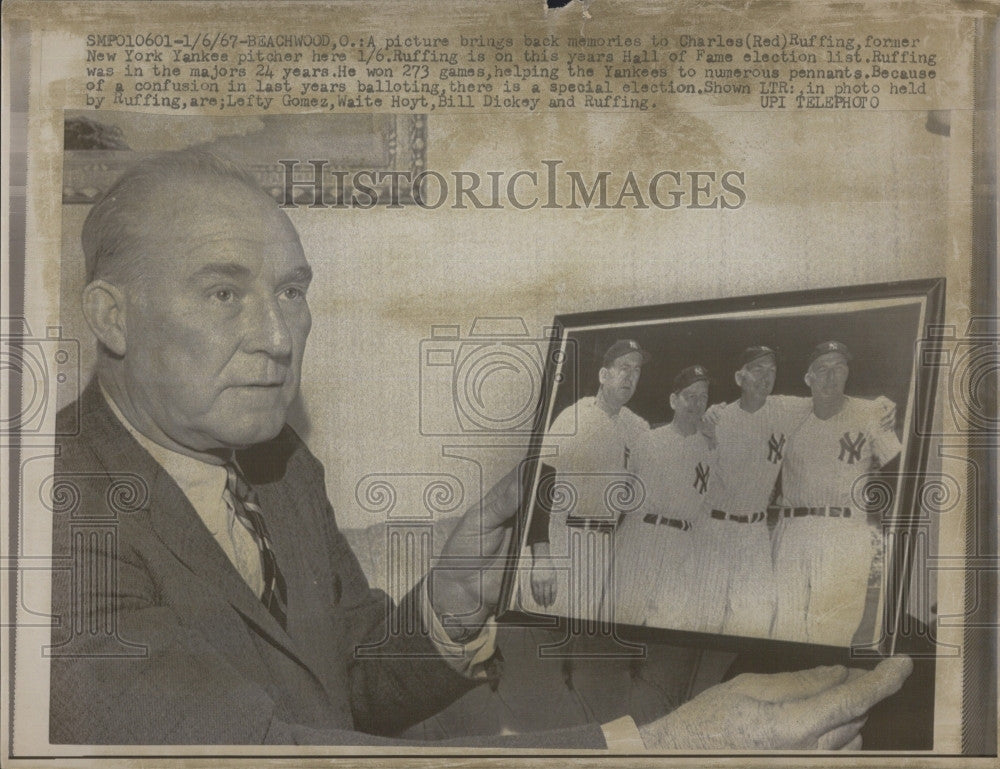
543	582
819	709
543	576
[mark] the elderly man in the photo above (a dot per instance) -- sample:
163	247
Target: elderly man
824	544
211	597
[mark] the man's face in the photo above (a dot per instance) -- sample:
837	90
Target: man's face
619	380
827	375
691	402
756	378
217	324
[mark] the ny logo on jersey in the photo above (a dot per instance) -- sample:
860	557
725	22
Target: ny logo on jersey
626	455
850	449
775	448
701	477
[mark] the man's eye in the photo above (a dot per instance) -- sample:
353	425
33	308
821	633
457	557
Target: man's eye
224	294
293	292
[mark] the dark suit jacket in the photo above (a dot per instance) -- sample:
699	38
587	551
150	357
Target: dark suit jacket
159	640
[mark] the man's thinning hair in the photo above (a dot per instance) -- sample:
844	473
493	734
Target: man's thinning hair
119	223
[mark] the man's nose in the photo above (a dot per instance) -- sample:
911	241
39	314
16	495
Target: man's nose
268	330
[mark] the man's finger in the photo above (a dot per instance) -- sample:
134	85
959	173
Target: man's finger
854	698
854	673
837	738
537	591
541	589
788	687
854	744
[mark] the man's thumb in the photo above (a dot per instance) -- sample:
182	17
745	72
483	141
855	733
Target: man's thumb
788	687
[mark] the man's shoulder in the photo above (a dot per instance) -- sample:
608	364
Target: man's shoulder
573	410
861	410
664	435
82	428
730	414
582	417
633	421
789	405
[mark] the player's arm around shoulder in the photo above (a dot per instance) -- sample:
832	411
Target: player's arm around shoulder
793	407
885	444
885	440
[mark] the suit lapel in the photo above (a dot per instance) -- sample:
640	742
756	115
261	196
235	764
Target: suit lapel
179	528
174	520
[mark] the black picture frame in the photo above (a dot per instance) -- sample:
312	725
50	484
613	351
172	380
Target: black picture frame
894	327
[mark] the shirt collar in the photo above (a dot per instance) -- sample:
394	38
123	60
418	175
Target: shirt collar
203	483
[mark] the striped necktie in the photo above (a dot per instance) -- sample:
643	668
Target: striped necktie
248	512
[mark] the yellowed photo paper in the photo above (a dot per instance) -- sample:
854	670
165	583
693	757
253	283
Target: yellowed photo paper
591	381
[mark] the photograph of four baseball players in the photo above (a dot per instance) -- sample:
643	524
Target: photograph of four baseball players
741	519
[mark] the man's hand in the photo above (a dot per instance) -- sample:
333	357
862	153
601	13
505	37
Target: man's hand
819	709
709	421
465	582
887	420
543	575
712	415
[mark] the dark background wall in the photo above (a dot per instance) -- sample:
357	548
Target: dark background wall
882	341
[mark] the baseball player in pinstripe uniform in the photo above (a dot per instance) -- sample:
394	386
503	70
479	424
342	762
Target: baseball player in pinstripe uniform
592	466
656	547
751	436
824	545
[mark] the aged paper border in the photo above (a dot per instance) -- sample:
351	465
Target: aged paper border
978	240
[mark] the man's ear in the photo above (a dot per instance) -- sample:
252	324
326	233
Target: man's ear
602	375
738	376
808	378
104	309
673	401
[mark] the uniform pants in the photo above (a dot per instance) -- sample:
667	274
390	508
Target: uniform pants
656	575
822	567
583	559
739	578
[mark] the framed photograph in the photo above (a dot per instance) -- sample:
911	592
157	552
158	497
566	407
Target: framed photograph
323	242
742	468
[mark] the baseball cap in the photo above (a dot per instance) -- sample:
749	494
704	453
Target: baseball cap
752	353
827	347
689	376
620	348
